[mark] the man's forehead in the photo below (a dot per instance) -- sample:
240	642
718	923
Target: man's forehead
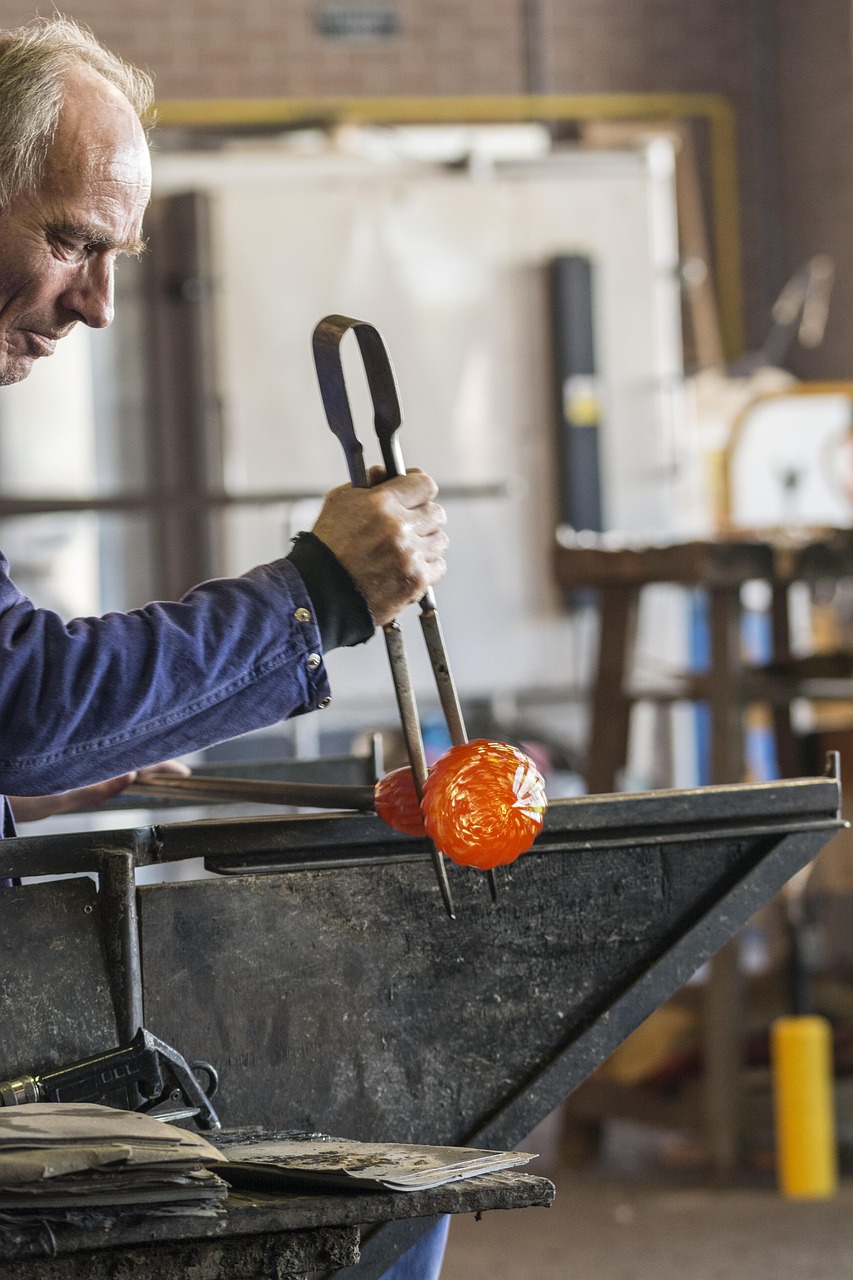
99	133
96	182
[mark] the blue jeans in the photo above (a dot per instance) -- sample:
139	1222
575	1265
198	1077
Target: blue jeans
423	1260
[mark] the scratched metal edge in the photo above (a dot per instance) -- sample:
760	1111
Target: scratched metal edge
306	840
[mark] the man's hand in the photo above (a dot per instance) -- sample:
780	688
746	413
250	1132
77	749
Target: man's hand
34	808
390	538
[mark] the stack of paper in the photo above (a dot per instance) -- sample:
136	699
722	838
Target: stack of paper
72	1156
324	1163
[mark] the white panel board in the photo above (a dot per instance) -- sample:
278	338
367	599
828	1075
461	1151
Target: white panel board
792	464
451	267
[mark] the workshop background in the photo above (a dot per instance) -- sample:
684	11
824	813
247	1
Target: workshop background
696	164
757	213
784	67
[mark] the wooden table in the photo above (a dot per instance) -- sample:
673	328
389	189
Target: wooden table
719	566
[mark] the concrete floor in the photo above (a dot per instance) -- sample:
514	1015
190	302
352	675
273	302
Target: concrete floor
643	1219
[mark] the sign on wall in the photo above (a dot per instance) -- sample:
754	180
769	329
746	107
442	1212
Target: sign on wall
357	21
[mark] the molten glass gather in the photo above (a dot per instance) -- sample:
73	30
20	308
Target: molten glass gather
484	803
396	802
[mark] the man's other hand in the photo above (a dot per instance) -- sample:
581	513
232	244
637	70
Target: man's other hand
390	538
34	808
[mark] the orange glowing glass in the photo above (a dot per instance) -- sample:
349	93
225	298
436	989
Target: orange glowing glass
484	803
396	802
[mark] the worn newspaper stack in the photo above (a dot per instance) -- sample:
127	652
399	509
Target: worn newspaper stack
61	1161
281	1162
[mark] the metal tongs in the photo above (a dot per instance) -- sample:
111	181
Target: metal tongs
388	417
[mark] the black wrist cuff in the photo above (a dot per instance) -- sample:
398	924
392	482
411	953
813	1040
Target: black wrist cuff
341	610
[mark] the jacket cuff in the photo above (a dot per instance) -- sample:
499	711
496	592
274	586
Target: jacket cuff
340	608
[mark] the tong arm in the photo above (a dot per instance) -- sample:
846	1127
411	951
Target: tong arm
388	418
381	382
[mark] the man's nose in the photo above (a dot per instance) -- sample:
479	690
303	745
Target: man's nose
90	293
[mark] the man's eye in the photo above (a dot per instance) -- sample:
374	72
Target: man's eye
73	250
68	248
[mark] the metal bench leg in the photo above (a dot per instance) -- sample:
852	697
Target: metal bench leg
607	753
727	710
788	754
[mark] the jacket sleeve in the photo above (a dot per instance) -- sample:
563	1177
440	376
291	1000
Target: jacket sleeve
89	699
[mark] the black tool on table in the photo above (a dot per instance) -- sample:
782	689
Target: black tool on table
169	1085
388	417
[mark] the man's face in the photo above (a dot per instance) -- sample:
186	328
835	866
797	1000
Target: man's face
59	244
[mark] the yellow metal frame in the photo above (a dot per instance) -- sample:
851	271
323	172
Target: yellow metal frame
842	387
713	109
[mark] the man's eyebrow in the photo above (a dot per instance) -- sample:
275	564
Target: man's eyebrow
86	233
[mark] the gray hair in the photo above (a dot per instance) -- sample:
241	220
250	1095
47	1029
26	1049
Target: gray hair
34	62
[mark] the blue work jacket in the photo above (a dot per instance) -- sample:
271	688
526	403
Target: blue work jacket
89	699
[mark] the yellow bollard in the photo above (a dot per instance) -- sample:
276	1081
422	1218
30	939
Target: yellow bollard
806	1147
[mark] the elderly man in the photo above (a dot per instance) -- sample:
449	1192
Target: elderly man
84	701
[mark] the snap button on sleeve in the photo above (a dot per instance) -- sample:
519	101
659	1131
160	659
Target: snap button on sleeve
302	615
324	702
314	661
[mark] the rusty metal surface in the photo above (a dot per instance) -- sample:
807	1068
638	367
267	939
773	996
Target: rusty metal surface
55	1000
70	948
56	1008
344	1001
339	997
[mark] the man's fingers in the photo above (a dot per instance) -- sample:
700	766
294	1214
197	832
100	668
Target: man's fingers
428	521
414	489
436	569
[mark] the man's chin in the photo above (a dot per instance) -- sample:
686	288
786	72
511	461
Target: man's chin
12	371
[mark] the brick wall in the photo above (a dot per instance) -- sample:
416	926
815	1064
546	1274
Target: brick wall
258	48
785	65
677	46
